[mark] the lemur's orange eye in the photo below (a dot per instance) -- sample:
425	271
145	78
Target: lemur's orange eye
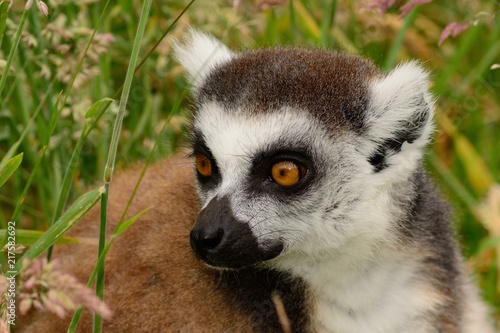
287	173
203	165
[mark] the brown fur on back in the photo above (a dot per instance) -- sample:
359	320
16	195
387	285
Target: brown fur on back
153	282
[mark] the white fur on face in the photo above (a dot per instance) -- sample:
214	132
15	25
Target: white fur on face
344	203
235	139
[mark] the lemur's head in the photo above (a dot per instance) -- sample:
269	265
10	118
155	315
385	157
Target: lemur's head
299	152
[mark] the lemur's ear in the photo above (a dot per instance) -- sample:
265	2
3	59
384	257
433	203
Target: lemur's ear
199	54
399	117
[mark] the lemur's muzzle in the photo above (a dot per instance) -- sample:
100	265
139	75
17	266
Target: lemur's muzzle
221	240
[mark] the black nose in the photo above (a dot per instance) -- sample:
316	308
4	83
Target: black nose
202	241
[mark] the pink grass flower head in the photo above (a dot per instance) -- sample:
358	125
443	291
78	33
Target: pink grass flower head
11	2
407	8
4	300
45	287
42	7
263	5
453	29
28	5
380	5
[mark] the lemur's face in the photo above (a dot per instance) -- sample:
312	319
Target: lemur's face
296	151
268	183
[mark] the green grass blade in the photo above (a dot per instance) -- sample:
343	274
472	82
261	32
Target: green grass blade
54	117
75	320
53	120
18	208
392	56
12	150
76	317
311	26
151	153
158	42
93	114
84	55
29	237
108	171
483	65
8	168
110	164
13	49
20	201
293	22
467	42
328	20
99	285
74	214
453	183
3	19
96	110
476	170
488	243
122	227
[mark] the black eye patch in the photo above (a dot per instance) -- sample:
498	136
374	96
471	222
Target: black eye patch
260	179
200	148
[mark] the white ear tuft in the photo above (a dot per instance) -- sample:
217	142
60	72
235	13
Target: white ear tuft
400	114
200	54
400	102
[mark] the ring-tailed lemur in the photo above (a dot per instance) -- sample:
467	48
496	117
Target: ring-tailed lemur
310	177
310	163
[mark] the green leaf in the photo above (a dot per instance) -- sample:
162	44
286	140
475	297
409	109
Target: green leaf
29	237
96	106
7	169
74	213
122	227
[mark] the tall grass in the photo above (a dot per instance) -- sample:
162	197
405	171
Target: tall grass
61	73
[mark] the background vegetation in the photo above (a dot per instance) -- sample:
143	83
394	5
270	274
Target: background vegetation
45	93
